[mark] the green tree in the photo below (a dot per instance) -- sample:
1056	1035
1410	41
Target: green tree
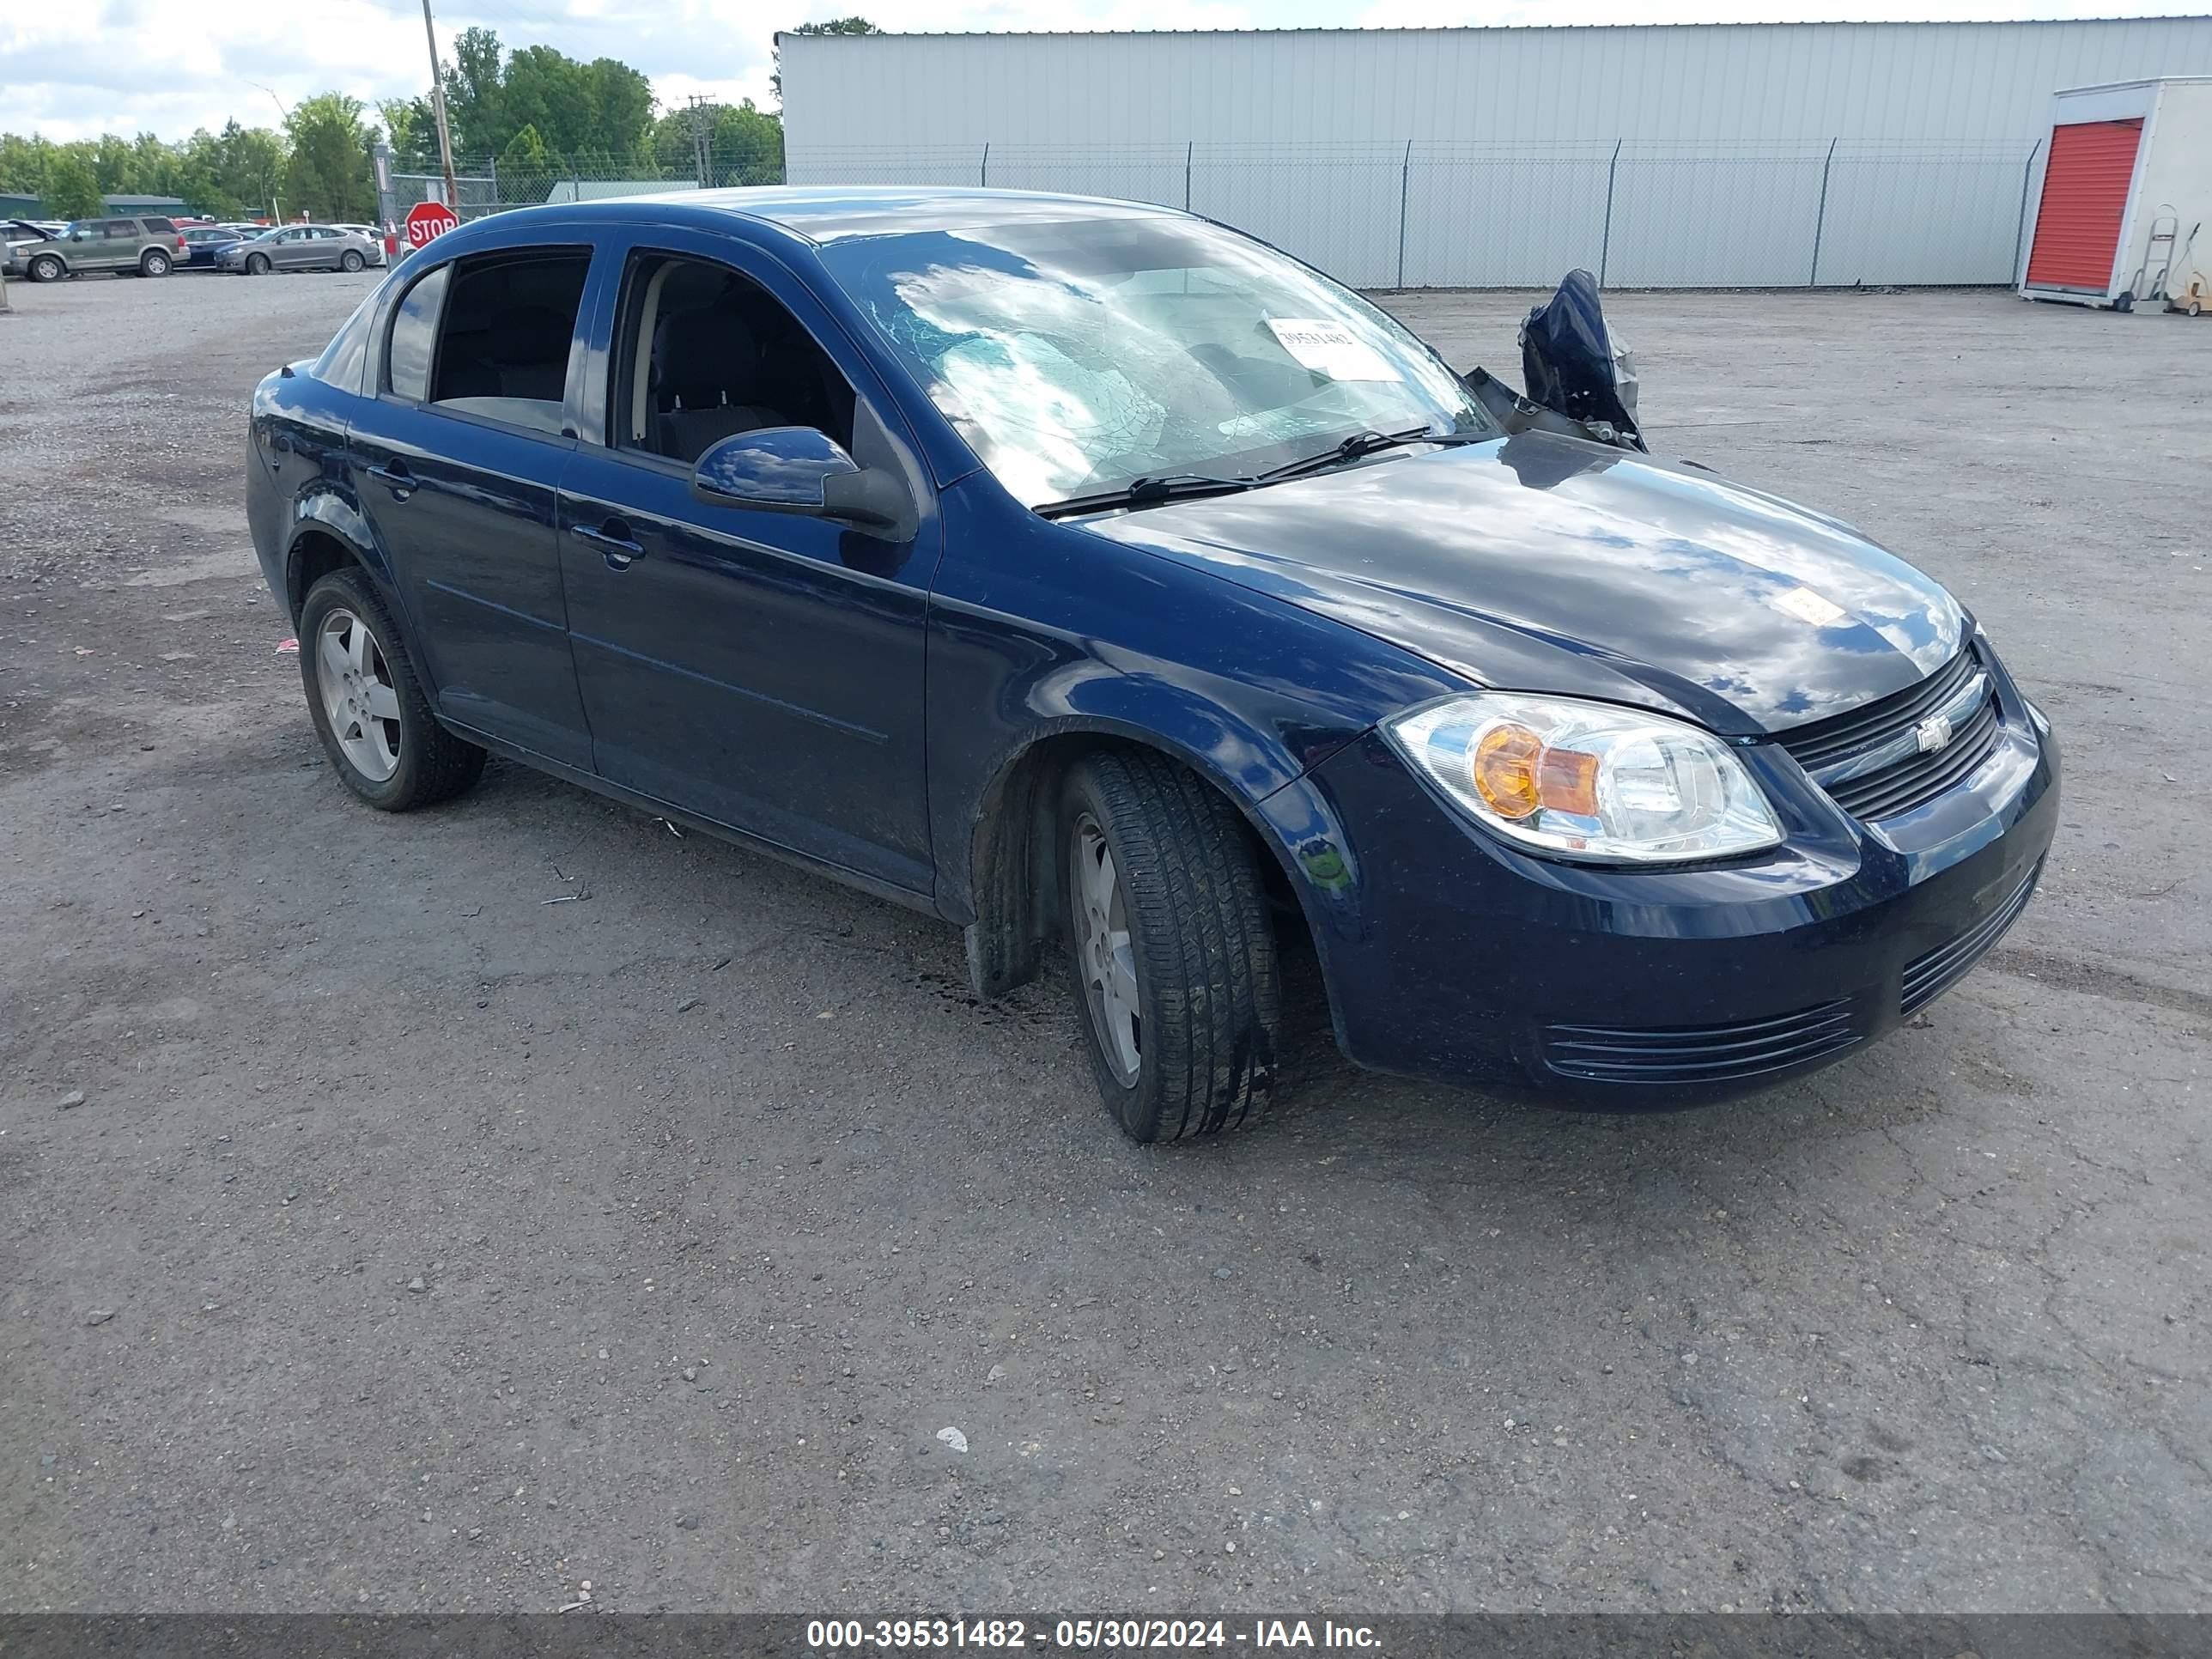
72	187
411	127
525	163
473	115
328	175
747	145
249	166
23	163
835	26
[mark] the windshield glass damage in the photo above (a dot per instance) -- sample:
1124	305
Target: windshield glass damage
1077	357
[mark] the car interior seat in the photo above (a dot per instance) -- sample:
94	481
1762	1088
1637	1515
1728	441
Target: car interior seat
707	370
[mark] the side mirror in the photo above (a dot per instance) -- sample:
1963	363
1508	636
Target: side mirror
796	469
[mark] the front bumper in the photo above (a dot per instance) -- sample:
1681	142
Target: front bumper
1461	959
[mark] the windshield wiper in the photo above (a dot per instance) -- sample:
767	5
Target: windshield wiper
1363	443
1146	492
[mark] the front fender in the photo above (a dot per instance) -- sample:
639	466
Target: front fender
1004	889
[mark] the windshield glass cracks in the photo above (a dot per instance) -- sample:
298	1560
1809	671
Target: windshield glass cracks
1079	357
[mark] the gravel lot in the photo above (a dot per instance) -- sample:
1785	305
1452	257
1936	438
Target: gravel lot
417	1244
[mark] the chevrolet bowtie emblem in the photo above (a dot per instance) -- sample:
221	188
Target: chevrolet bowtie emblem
1933	733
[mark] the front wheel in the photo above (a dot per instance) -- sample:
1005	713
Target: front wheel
256	264
1169	946
368	705
154	263
350	261
47	269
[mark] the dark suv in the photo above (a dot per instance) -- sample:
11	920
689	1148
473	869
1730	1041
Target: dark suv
141	246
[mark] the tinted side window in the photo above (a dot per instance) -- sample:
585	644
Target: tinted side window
119	228
415	337
162	226
503	340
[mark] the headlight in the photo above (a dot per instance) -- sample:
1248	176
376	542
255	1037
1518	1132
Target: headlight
1588	780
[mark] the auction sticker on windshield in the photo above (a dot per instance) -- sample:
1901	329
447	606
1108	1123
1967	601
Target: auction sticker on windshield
1331	348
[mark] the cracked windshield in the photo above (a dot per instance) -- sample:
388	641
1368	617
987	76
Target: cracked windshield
1077	357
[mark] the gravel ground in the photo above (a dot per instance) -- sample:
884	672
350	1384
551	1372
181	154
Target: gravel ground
416	1244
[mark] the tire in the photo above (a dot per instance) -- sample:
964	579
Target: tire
256	264
154	263
2125	301
46	268
398	760
350	261
1156	877
2194	307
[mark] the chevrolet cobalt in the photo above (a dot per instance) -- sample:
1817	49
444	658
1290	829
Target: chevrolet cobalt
1107	583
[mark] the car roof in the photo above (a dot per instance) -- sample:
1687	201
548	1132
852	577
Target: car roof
827	213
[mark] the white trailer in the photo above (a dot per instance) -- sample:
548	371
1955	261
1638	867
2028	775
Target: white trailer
2127	183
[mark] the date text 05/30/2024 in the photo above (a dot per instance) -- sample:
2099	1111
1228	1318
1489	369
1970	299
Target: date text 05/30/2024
1083	1635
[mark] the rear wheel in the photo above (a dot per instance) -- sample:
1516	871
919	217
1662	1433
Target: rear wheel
256	264
350	261
1169	946
153	263
47	269
368	705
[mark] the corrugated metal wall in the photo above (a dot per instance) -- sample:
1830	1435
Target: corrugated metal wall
1710	154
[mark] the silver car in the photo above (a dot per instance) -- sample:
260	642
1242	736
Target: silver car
370	235
299	247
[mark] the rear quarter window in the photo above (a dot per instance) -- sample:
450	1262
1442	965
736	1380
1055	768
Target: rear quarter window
342	361
415	337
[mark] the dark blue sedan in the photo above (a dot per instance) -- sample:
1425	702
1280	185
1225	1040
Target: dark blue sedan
1100	579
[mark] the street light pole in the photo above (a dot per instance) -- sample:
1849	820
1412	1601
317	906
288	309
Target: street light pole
438	108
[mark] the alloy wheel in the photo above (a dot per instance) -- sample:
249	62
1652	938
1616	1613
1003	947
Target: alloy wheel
358	695
1108	958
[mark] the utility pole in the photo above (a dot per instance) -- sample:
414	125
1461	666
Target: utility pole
702	139
438	108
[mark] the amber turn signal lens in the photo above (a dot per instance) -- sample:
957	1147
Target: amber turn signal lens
1504	765
1516	774
1566	781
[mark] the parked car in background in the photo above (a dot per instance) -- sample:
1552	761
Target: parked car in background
1085	573
370	235
138	247
204	242
299	247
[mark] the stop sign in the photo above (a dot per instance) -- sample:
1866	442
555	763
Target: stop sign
426	220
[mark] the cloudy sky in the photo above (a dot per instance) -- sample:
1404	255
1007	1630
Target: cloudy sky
74	69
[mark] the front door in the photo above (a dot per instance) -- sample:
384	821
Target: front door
761	669
457	463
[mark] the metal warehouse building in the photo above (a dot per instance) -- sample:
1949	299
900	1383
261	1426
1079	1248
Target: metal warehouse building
1658	156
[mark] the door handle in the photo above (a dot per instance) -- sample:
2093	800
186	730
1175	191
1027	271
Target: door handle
401	482
613	540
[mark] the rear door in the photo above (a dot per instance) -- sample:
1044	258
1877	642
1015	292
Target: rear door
762	669
116	249
457	454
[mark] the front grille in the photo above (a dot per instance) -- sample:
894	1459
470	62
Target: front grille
1698	1054
1840	753
1927	977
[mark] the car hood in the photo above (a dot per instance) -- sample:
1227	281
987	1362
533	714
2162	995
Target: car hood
1546	563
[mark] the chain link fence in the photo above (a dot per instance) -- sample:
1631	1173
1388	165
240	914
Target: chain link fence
1424	214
